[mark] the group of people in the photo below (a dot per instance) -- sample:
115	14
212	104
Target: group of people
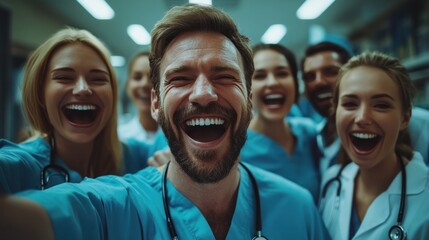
237	167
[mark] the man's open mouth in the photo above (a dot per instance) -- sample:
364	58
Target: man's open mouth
80	114
325	95
365	141
205	129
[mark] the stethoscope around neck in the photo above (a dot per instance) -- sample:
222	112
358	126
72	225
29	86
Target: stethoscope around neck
170	223
44	173
396	232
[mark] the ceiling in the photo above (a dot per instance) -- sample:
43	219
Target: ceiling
253	17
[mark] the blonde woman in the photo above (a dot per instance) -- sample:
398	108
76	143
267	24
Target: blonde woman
69	97
380	188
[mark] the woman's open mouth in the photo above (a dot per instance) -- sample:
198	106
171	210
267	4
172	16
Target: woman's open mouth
80	114
274	100
364	142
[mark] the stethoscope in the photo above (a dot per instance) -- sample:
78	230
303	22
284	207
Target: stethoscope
44	178
170	224
396	232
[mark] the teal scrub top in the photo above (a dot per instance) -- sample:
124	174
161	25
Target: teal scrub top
136	153
299	167
21	164
131	207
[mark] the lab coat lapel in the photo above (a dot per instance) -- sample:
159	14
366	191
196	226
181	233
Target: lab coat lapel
416	177
377	213
346	198
381	209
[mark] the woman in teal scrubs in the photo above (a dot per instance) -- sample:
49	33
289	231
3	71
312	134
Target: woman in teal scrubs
285	146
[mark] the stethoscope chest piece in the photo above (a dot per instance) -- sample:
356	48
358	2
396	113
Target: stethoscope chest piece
397	232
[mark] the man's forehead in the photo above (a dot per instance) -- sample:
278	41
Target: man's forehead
201	47
320	59
200	40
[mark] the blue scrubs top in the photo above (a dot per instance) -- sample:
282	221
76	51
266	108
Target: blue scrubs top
299	167
21	164
131	207
136	153
419	132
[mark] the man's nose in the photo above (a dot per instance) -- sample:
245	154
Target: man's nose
203	91
319	78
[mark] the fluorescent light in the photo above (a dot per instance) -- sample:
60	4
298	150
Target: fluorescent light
99	9
316	34
139	34
311	9
201	2
274	33
117	61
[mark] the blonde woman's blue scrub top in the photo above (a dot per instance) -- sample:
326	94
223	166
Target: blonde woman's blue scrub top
131	207
299	167
21	164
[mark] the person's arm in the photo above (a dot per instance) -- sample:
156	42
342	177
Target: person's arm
23	219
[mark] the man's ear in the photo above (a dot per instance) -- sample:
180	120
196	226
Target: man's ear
154	106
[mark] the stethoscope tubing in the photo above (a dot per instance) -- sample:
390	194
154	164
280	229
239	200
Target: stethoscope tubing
398	226
52	165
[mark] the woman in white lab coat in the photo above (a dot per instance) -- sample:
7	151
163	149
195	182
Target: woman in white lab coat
378	170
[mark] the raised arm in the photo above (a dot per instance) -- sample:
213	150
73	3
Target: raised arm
23	219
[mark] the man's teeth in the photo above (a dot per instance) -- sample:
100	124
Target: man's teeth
364	135
80	107
325	95
273	96
205	122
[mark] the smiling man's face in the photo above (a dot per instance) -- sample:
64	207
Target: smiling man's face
203	105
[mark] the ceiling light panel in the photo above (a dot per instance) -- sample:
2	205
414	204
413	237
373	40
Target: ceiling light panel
99	9
274	33
312	9
139	34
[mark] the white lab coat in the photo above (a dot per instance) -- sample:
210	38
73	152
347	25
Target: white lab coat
382	214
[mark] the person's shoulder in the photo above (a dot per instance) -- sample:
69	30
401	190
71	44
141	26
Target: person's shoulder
420	112
254	137
302	125
147	178
419	168
419	116
29	149
7	145
131	145
277	186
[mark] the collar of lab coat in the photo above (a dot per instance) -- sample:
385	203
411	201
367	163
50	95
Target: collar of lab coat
380	209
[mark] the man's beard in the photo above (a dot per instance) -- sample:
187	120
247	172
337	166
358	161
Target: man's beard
181	154
324	111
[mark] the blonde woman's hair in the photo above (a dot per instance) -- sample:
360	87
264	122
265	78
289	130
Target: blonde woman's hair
106	154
